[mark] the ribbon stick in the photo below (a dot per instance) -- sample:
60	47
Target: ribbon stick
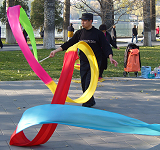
44	59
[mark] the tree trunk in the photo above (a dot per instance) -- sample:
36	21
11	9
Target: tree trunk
147	23
9	35
49	24
107	11
66	19
112	13
153	20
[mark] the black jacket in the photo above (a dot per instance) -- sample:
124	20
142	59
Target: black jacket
134	31
94	38
110	40
70	28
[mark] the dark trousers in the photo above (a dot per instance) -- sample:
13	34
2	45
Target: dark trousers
85	74
103	65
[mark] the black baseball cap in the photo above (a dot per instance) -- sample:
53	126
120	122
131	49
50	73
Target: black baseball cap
87	16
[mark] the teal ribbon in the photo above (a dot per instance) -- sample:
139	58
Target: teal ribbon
86	118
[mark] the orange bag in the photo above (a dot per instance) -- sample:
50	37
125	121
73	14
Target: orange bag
133	63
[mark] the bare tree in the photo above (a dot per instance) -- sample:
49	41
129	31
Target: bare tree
147	23
9	35
66	18
49	24
107	13
106	9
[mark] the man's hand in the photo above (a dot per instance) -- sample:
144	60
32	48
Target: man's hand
52	54
118	48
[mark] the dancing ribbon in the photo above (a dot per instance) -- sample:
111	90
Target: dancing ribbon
28	27
13	14
51	114
81	117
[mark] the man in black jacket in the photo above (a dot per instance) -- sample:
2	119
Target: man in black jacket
96	40
134	34
103	66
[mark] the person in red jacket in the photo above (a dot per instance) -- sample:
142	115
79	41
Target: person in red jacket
157	31
97	41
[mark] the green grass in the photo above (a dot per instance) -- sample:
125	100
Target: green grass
14	66
38	41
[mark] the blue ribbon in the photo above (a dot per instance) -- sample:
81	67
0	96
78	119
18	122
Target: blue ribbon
86	118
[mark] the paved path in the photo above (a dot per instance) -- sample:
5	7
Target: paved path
134	97
125	41
16	47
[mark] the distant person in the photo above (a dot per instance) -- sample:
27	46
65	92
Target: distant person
104	62
157	31
1	44
25	34
70	31
142	37
134	34
41	33
113	34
